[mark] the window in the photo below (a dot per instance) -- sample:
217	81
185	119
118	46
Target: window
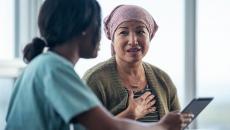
18	24
213	68
7	29
6	53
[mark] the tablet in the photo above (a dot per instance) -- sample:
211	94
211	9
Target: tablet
196	106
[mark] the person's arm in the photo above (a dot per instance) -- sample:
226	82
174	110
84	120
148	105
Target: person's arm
99	119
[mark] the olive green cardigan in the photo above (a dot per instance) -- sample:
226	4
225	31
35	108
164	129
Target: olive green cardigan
105	82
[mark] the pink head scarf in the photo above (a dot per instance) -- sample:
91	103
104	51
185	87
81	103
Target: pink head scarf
123	13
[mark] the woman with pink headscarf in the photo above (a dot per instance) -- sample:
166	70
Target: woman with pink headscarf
127	86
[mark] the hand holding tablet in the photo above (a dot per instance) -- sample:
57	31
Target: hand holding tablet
196	106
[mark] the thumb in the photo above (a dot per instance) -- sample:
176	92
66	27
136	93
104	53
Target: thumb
131	95
176	112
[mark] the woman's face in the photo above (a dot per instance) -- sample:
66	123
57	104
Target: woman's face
131	41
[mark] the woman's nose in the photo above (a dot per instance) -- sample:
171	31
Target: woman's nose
132	40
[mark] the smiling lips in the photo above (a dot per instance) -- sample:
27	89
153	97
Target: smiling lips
134	49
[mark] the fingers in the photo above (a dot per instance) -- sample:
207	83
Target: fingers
175	120
186	118
146	100
150	103
145	95
151	110
131	95
149	98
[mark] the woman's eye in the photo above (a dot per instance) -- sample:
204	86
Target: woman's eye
141	32
124	33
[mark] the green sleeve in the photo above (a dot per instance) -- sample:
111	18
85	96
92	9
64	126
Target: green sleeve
174	101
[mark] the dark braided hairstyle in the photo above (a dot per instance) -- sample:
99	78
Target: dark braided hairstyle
60	21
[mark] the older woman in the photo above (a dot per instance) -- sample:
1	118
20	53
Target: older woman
127	86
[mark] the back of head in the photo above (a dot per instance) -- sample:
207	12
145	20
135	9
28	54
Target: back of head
124	13
60	21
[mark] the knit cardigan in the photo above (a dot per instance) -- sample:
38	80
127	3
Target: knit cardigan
105	82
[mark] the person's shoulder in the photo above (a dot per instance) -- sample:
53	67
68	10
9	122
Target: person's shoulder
54	59
48	62
100	69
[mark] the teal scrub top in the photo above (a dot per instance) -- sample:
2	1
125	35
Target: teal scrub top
48	95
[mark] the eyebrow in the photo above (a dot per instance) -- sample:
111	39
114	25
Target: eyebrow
141	26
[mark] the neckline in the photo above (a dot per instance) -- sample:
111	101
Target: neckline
119	84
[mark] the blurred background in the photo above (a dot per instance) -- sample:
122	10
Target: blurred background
192	45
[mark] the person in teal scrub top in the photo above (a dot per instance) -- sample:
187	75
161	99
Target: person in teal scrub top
49	95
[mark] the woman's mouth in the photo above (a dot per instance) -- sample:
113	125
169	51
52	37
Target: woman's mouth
135	49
